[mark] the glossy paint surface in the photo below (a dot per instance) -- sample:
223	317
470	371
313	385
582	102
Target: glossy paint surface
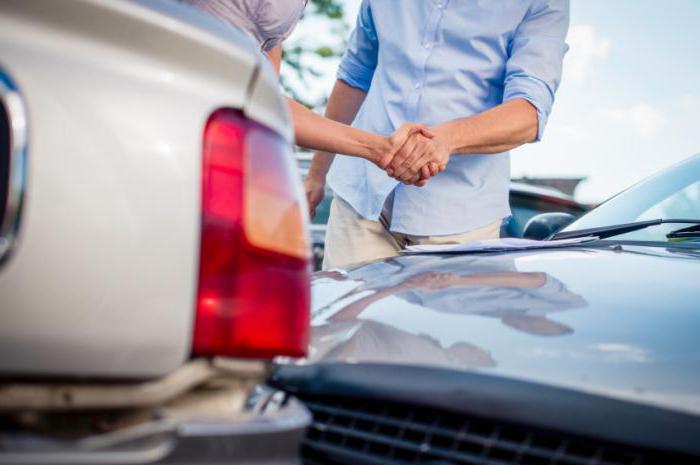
621	322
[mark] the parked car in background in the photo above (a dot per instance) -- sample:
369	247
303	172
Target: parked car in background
154	254
526	201
583	354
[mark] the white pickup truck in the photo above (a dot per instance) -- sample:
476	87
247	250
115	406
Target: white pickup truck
153	247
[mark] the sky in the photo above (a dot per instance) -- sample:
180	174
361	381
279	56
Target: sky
629	103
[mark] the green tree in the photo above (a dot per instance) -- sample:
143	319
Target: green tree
325	36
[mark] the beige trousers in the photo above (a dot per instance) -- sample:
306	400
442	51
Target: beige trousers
351	238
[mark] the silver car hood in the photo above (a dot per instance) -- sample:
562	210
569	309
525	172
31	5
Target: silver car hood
623	323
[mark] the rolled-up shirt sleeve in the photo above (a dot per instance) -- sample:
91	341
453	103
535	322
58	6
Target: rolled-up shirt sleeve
360	59
536	53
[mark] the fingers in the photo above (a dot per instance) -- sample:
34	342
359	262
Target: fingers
412	181
417	128
400	136
398	139
422	178
418	181
413	128
425	131
391	160
314	196
400	158
413	161
407	165
413	168
433	169
312	206
408	168
419	167
428	170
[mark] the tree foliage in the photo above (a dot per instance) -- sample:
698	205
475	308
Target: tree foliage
295	55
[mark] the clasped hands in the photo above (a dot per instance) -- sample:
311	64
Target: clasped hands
413	154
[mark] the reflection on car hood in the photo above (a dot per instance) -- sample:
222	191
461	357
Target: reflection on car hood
623	323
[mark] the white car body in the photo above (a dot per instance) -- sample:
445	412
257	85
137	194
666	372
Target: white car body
102	278
107	103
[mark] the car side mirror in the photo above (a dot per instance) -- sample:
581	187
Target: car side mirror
542	226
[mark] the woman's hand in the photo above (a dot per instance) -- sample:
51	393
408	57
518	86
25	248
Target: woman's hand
315	191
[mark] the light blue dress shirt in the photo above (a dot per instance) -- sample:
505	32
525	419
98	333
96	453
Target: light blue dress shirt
432	61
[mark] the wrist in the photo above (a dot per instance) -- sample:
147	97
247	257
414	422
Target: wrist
320	165
314	177
376	148
445	137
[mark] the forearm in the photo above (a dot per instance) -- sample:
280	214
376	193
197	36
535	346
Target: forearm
275	57
328	135
517	280
496	130
332	134
352	311
343	104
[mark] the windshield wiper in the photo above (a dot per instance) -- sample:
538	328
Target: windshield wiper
685	233
614	230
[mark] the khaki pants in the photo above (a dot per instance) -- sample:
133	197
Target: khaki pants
351	238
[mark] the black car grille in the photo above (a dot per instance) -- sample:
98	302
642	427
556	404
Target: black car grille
359	431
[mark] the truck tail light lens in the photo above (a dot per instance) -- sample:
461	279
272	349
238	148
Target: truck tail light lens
253	296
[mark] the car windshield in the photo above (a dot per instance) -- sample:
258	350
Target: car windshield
673	193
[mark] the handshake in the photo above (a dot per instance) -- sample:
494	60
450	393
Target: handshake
412	154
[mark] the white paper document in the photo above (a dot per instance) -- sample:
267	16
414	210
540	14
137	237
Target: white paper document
496	245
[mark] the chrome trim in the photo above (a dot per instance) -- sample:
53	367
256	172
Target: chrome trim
11	99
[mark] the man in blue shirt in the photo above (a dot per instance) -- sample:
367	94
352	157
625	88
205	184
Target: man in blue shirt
482	74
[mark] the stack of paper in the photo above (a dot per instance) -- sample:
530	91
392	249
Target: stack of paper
496	245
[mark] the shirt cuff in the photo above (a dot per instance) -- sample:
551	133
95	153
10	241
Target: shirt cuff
534	91
355	74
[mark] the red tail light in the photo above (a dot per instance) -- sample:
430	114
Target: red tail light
253	297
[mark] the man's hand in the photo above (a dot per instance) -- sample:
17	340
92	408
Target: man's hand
419	158
315	191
